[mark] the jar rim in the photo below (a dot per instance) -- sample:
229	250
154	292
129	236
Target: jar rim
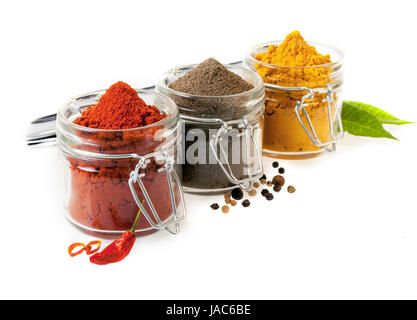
251	55
169	117
259	83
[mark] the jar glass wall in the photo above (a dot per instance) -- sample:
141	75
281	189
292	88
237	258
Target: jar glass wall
303	104
222	135
111	173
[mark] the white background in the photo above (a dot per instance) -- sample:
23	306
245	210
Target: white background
348	232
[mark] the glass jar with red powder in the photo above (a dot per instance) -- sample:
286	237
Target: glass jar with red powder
111	173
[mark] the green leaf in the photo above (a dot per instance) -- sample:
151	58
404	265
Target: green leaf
381	115
360	122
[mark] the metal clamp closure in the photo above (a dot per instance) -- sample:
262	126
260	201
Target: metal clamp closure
171	225
331	104
247	133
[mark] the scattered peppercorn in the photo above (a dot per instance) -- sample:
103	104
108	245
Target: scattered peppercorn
225	209
277	188
269	196
246	203
275	164
264	192
214	206
237	193
277	183
291	189
227	196
278	180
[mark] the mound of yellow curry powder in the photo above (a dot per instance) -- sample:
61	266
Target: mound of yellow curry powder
294	51
293	63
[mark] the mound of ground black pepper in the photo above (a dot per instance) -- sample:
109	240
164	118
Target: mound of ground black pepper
211	78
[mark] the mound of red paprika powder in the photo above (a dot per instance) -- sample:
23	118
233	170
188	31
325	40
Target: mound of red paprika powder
119	108
100	196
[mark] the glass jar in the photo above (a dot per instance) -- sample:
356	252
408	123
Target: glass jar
110	174
303	104
222	135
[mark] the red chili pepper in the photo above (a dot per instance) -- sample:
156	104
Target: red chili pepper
116	251
119	248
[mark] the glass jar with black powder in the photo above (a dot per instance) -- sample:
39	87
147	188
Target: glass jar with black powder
221	111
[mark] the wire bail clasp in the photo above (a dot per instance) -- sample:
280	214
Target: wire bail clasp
247	132
331	104
171	224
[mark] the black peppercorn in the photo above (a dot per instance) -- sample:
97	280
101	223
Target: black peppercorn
246	203
269	196
263	177
237	193
281	170
215	206
278	180
264	192
275	164
277	188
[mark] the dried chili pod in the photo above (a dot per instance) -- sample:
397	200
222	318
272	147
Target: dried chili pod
75	245
89	247
115	251
119	248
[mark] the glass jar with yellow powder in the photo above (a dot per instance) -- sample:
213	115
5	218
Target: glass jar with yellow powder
303	95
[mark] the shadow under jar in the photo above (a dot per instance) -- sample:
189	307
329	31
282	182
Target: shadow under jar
110	174
303	104
221	135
